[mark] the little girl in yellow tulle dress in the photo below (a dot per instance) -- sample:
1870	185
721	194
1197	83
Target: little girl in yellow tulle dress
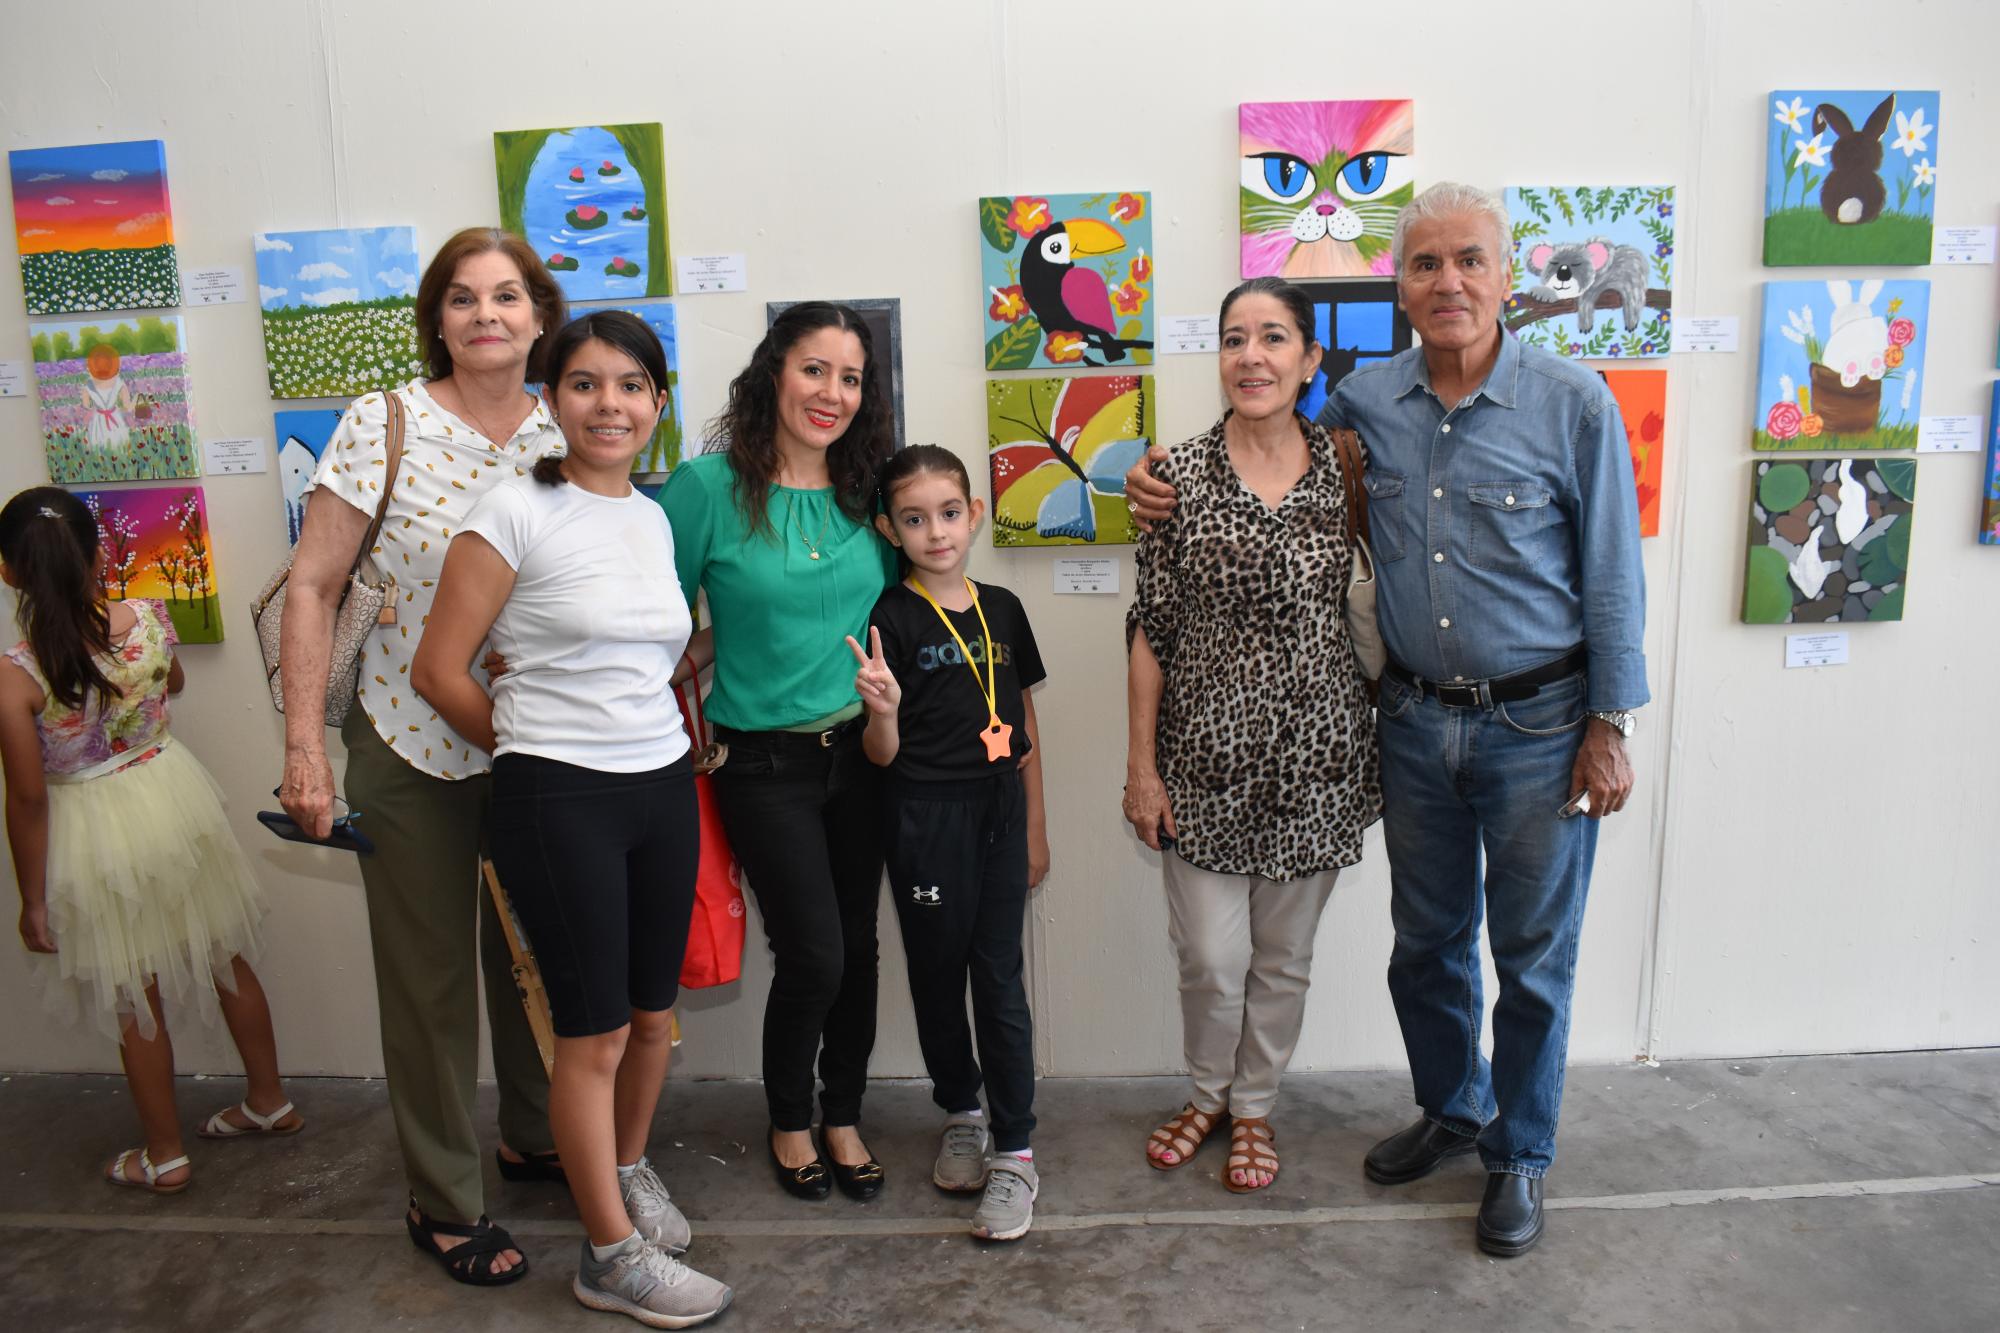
132	886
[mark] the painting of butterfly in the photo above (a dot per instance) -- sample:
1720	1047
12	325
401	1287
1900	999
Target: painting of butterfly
1321	184
1060	449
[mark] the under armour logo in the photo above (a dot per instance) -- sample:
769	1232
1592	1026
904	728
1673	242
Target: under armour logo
928	897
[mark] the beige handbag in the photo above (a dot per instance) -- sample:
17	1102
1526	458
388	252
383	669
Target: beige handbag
1362	629
363	605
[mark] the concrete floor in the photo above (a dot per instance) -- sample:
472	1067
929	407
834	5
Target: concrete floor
1823	1194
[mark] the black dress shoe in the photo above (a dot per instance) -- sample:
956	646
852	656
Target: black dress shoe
862	1182
1413	1153
1510	1216
809	1182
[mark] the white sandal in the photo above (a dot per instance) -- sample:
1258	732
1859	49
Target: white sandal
219	1128
116	1175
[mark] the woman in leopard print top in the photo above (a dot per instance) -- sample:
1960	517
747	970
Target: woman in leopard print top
1251	758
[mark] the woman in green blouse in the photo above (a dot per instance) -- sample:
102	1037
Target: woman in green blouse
774	524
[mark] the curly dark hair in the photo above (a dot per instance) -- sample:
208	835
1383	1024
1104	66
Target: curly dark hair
747	426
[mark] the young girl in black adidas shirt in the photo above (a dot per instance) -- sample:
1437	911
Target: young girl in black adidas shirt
945	679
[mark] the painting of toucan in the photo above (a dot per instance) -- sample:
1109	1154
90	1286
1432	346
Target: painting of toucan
1068	298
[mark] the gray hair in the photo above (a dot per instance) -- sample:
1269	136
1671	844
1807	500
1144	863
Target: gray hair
1451	199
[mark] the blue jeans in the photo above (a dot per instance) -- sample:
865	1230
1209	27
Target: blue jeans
1456	783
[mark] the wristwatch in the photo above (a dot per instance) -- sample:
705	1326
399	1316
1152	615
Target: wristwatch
1622	722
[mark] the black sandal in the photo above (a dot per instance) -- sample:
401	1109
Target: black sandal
471	1262
532	1166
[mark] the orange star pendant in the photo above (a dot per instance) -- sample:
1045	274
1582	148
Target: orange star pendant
996	735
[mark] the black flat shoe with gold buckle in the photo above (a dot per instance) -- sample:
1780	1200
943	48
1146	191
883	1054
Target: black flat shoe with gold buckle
862	1182
809	1182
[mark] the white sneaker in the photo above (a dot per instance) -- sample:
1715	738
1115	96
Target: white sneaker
653	1214
1008	1207
645	1282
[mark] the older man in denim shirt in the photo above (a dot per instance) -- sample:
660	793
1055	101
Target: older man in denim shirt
1512	601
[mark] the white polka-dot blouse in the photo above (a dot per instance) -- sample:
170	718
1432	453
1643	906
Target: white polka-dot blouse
447	466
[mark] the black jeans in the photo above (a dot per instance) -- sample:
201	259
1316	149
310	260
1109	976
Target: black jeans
600	868
958	872
805	822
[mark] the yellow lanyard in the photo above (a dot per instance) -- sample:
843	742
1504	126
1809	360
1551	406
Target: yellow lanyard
995	733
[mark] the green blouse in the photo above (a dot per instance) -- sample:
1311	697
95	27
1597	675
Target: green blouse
781	617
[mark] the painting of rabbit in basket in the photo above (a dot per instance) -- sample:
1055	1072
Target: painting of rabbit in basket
1841	364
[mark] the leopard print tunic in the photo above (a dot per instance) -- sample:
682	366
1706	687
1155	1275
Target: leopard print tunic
1265	741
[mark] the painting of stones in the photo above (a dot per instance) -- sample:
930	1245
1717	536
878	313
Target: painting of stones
1829	540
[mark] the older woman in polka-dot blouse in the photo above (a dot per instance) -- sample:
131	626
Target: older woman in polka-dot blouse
483	308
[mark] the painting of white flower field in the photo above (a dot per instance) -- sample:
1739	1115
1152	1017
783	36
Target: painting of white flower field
340	310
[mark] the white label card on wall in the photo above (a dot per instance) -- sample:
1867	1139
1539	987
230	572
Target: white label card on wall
1188	333
1962	245
712	273
1086	573
13	379
1816	650
250	454
212	286
1951	435
1706	333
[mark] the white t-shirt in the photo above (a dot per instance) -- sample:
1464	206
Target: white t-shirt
592	630
446	467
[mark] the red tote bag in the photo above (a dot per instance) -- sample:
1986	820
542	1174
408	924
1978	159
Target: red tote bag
715	935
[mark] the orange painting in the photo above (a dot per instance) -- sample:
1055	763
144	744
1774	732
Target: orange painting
1642	401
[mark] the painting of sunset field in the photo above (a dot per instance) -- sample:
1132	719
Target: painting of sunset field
95	228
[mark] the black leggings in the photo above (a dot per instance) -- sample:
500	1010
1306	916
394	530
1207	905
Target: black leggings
805	822
600	868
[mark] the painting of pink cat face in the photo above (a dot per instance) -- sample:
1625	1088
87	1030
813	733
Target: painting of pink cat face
1321	183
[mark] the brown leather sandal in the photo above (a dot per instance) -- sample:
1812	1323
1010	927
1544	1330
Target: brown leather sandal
1251	1148
1182	1135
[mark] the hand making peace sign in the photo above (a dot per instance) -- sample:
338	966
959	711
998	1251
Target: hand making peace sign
874	682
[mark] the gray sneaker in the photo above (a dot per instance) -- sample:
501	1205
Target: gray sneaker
653	1214
961	1159
649	1284
1008	1207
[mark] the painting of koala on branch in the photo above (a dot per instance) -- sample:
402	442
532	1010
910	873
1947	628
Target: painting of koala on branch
1593	269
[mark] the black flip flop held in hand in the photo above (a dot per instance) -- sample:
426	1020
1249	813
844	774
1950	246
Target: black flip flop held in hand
471	1262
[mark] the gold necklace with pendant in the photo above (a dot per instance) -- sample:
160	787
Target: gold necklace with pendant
812	543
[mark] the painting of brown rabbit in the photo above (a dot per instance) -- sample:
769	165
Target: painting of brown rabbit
1852	177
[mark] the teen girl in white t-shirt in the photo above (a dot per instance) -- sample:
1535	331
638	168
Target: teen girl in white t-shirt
570	573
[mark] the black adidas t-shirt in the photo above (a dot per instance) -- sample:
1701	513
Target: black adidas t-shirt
944	708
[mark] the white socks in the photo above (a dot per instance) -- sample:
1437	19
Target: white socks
604	1253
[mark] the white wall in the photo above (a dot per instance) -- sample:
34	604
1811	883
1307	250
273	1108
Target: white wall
1802	866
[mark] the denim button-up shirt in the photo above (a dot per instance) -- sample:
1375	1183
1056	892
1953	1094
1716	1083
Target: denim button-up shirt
1505	527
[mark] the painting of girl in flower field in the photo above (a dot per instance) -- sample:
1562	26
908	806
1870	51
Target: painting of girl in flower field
1852	177
1841	364
114	396
1068	279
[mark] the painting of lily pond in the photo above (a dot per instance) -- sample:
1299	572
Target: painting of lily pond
592	201
114	396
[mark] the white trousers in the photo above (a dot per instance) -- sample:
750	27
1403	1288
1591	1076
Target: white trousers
1245	945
